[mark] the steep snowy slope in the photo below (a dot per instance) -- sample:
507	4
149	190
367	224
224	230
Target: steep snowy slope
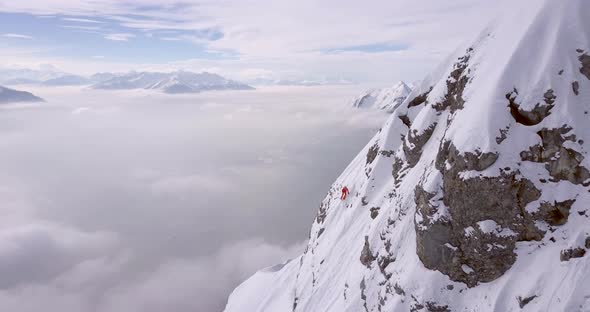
8	95
475	196
384	99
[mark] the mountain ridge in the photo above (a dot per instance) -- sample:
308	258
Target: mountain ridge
472	196
8	95
172	83
386	99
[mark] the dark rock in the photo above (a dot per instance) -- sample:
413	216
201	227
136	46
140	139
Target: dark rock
585	69
556	213
367	257
433	307
363	287
560	72
374	212
383	262
456	84
503	135
561	162
587	243
387	153
535	116
450	287
444	246
415	143
320	232
568	254
579	50
420	99
398	290
416	306
576	87
364	201
323	211
406	120
372	154
524	301
398	164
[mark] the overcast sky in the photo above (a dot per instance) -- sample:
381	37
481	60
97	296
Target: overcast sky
375	41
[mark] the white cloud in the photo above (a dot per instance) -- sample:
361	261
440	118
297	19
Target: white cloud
81	20
119	37
282	36
183	283
17	36
149	201
39	252
186	184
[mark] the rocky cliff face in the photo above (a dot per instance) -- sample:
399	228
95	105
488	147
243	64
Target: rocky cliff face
475	194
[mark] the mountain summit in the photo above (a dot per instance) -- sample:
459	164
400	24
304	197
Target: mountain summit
384	99
474	195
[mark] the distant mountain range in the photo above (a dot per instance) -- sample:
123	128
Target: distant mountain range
172	83
14	96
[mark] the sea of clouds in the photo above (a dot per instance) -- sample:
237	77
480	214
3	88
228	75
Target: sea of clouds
139	201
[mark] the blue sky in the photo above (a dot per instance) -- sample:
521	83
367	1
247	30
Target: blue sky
242	39
101	37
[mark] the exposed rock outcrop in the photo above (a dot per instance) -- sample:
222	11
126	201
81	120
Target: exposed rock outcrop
563	163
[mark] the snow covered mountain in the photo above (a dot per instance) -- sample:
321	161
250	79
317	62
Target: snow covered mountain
67	80
13	96
384	99
47	75
13	76
475	194
175	82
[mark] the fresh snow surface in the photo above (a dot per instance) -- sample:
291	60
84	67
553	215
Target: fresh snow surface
175	82
534	47
384	99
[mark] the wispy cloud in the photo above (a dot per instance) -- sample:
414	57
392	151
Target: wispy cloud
119	37
81	20
82	27
17	36
313	38
370	48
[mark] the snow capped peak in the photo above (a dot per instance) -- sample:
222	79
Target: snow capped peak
473	196
384	99
175	82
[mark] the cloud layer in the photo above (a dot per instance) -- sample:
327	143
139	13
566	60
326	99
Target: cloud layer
138	201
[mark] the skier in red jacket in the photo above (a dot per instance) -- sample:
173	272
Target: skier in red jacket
344	193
